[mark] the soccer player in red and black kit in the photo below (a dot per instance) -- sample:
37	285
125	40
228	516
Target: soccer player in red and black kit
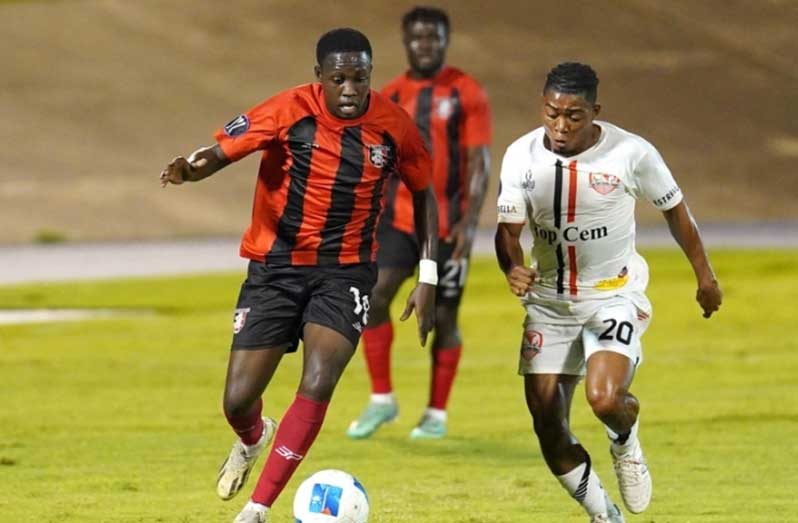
451	110
328	151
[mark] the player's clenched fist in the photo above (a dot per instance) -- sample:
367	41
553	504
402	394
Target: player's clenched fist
709	297
520	279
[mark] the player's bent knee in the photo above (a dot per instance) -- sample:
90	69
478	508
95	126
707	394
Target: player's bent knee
236	405
318	386
605	403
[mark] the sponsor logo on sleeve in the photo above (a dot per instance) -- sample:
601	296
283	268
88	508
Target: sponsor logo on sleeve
603	183
237	126
659	202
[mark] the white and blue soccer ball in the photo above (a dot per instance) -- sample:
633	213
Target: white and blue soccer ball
331	496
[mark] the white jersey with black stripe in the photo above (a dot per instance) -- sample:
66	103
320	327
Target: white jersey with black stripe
580	210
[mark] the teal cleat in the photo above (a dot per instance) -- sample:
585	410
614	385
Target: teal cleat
429	428
375	415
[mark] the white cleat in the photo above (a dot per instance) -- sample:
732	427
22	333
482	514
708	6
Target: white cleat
634	480
235	470
613	514
253	513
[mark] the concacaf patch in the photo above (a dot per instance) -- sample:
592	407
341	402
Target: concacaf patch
379	155
240	319
237	126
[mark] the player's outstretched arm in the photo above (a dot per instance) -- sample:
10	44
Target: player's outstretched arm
201	164
478	172
685	232
422	299
510	256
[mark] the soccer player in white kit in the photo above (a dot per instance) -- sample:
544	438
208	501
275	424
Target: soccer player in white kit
575	181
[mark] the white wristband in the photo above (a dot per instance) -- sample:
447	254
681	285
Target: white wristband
428	272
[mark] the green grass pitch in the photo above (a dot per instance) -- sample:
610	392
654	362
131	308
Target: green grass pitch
120	419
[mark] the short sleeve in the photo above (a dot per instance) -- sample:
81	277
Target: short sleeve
653	180
476	116
511	204
414	163
249	132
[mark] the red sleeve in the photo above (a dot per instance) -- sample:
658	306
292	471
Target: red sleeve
415	165
250	131
476	110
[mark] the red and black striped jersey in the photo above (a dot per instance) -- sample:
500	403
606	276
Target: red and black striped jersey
452	113
319	193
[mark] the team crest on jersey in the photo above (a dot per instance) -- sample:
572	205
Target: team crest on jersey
240	319
532	344
237	126
379	155
603	183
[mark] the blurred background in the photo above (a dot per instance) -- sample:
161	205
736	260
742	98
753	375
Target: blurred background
117	415
97	96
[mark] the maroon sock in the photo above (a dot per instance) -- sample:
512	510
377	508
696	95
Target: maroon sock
249	426
444	370
377	349
298	429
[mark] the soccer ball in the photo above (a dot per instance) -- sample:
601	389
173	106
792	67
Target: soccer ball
331	496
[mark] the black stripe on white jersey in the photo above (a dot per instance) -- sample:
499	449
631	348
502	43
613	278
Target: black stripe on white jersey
558	223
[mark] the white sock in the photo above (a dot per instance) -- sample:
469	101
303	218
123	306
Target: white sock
629	444
256	506
583	484
383	399
436	414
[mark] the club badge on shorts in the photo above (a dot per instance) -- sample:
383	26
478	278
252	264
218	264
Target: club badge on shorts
240	319
532	344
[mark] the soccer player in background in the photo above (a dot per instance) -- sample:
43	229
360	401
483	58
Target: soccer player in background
575	181
328	150
451	111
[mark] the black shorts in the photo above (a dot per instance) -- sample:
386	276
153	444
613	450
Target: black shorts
276	302
400	250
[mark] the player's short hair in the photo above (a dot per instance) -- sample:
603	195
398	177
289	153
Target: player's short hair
426	14
573	78
342	40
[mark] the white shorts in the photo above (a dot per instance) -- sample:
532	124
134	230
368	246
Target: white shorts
560	342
